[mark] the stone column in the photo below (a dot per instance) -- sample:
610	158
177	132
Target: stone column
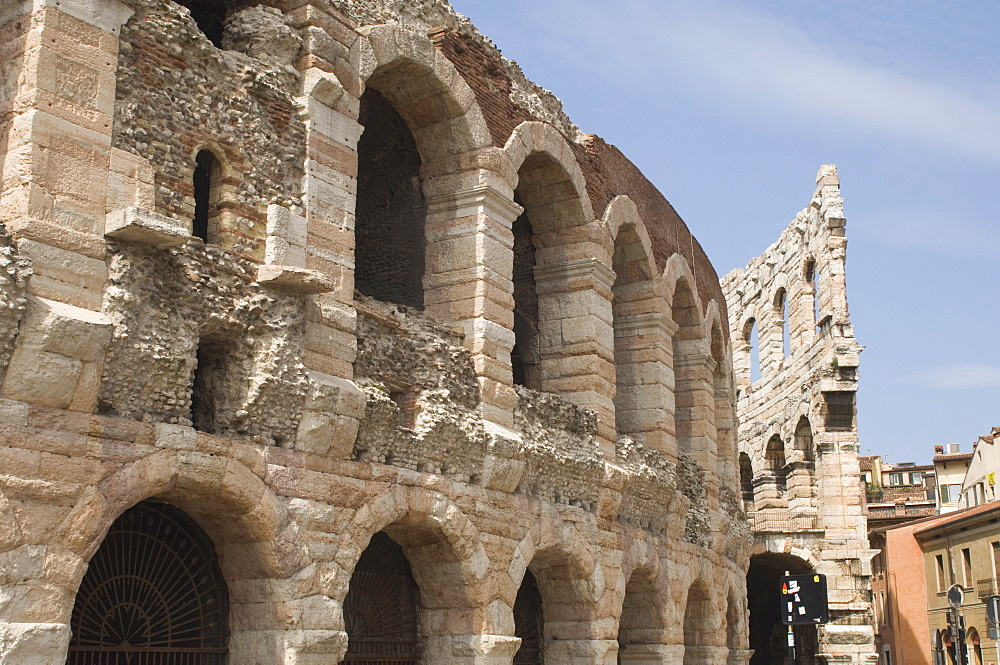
644	401
58	139
695	410
650	654
321	236
470	250
576	338
582	652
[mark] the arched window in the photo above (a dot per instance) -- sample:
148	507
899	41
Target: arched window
781	312
699	625
391	209
746	481
775	455
380	608
529	622
153	593
525	358
207	196
641	624
752	344
804	441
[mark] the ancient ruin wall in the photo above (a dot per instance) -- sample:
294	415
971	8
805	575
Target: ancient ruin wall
797	420
242	379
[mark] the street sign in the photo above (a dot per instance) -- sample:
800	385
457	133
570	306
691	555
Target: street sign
955	596
804	600
992	610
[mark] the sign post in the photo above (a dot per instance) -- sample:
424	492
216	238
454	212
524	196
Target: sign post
803	603
956	623
992	618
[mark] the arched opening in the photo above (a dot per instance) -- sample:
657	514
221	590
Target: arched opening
207	196
525	357
381	607
775	456
746	481
631	295
804	442
529	622
684	313
391	210
218	383
153	593
751	343
640	628
974	644
699	625
768	635
781	313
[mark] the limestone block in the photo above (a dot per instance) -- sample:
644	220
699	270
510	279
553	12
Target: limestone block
294	279
503	467
59	351
145	227
330	416
33	643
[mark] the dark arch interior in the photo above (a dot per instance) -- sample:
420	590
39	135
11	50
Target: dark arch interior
746	480
767	634
210	15
207	181
153	592
529	622
524	358
391	210
380	608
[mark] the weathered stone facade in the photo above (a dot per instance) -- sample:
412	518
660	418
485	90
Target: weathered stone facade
798	436
236	374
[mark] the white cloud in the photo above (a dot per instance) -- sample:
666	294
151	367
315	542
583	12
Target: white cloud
956	377
756	61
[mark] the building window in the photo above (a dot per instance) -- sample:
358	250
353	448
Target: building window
839	409
207	182
951	493
967	567
996	560
895	479
941	579
916	478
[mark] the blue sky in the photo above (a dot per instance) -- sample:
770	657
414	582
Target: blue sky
731	107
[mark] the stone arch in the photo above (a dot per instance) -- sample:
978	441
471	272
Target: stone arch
422	118
570	580
701	624
693	394
774	454
425	89
767	633
447	559
644	632
561	278
259	547
781	338
640	329
746	482
723	396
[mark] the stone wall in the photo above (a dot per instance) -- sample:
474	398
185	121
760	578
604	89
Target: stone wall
807	501
243	380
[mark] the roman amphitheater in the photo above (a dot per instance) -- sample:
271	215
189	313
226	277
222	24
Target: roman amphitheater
326	337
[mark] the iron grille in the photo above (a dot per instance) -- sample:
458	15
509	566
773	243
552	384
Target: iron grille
380	609
153	595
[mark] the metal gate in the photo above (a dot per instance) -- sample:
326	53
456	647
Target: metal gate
380	609
153	595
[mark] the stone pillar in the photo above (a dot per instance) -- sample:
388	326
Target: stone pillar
644	401
695	409
470	248
471	649
582	652
320	237
58	140
39	582
650	654
576	338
